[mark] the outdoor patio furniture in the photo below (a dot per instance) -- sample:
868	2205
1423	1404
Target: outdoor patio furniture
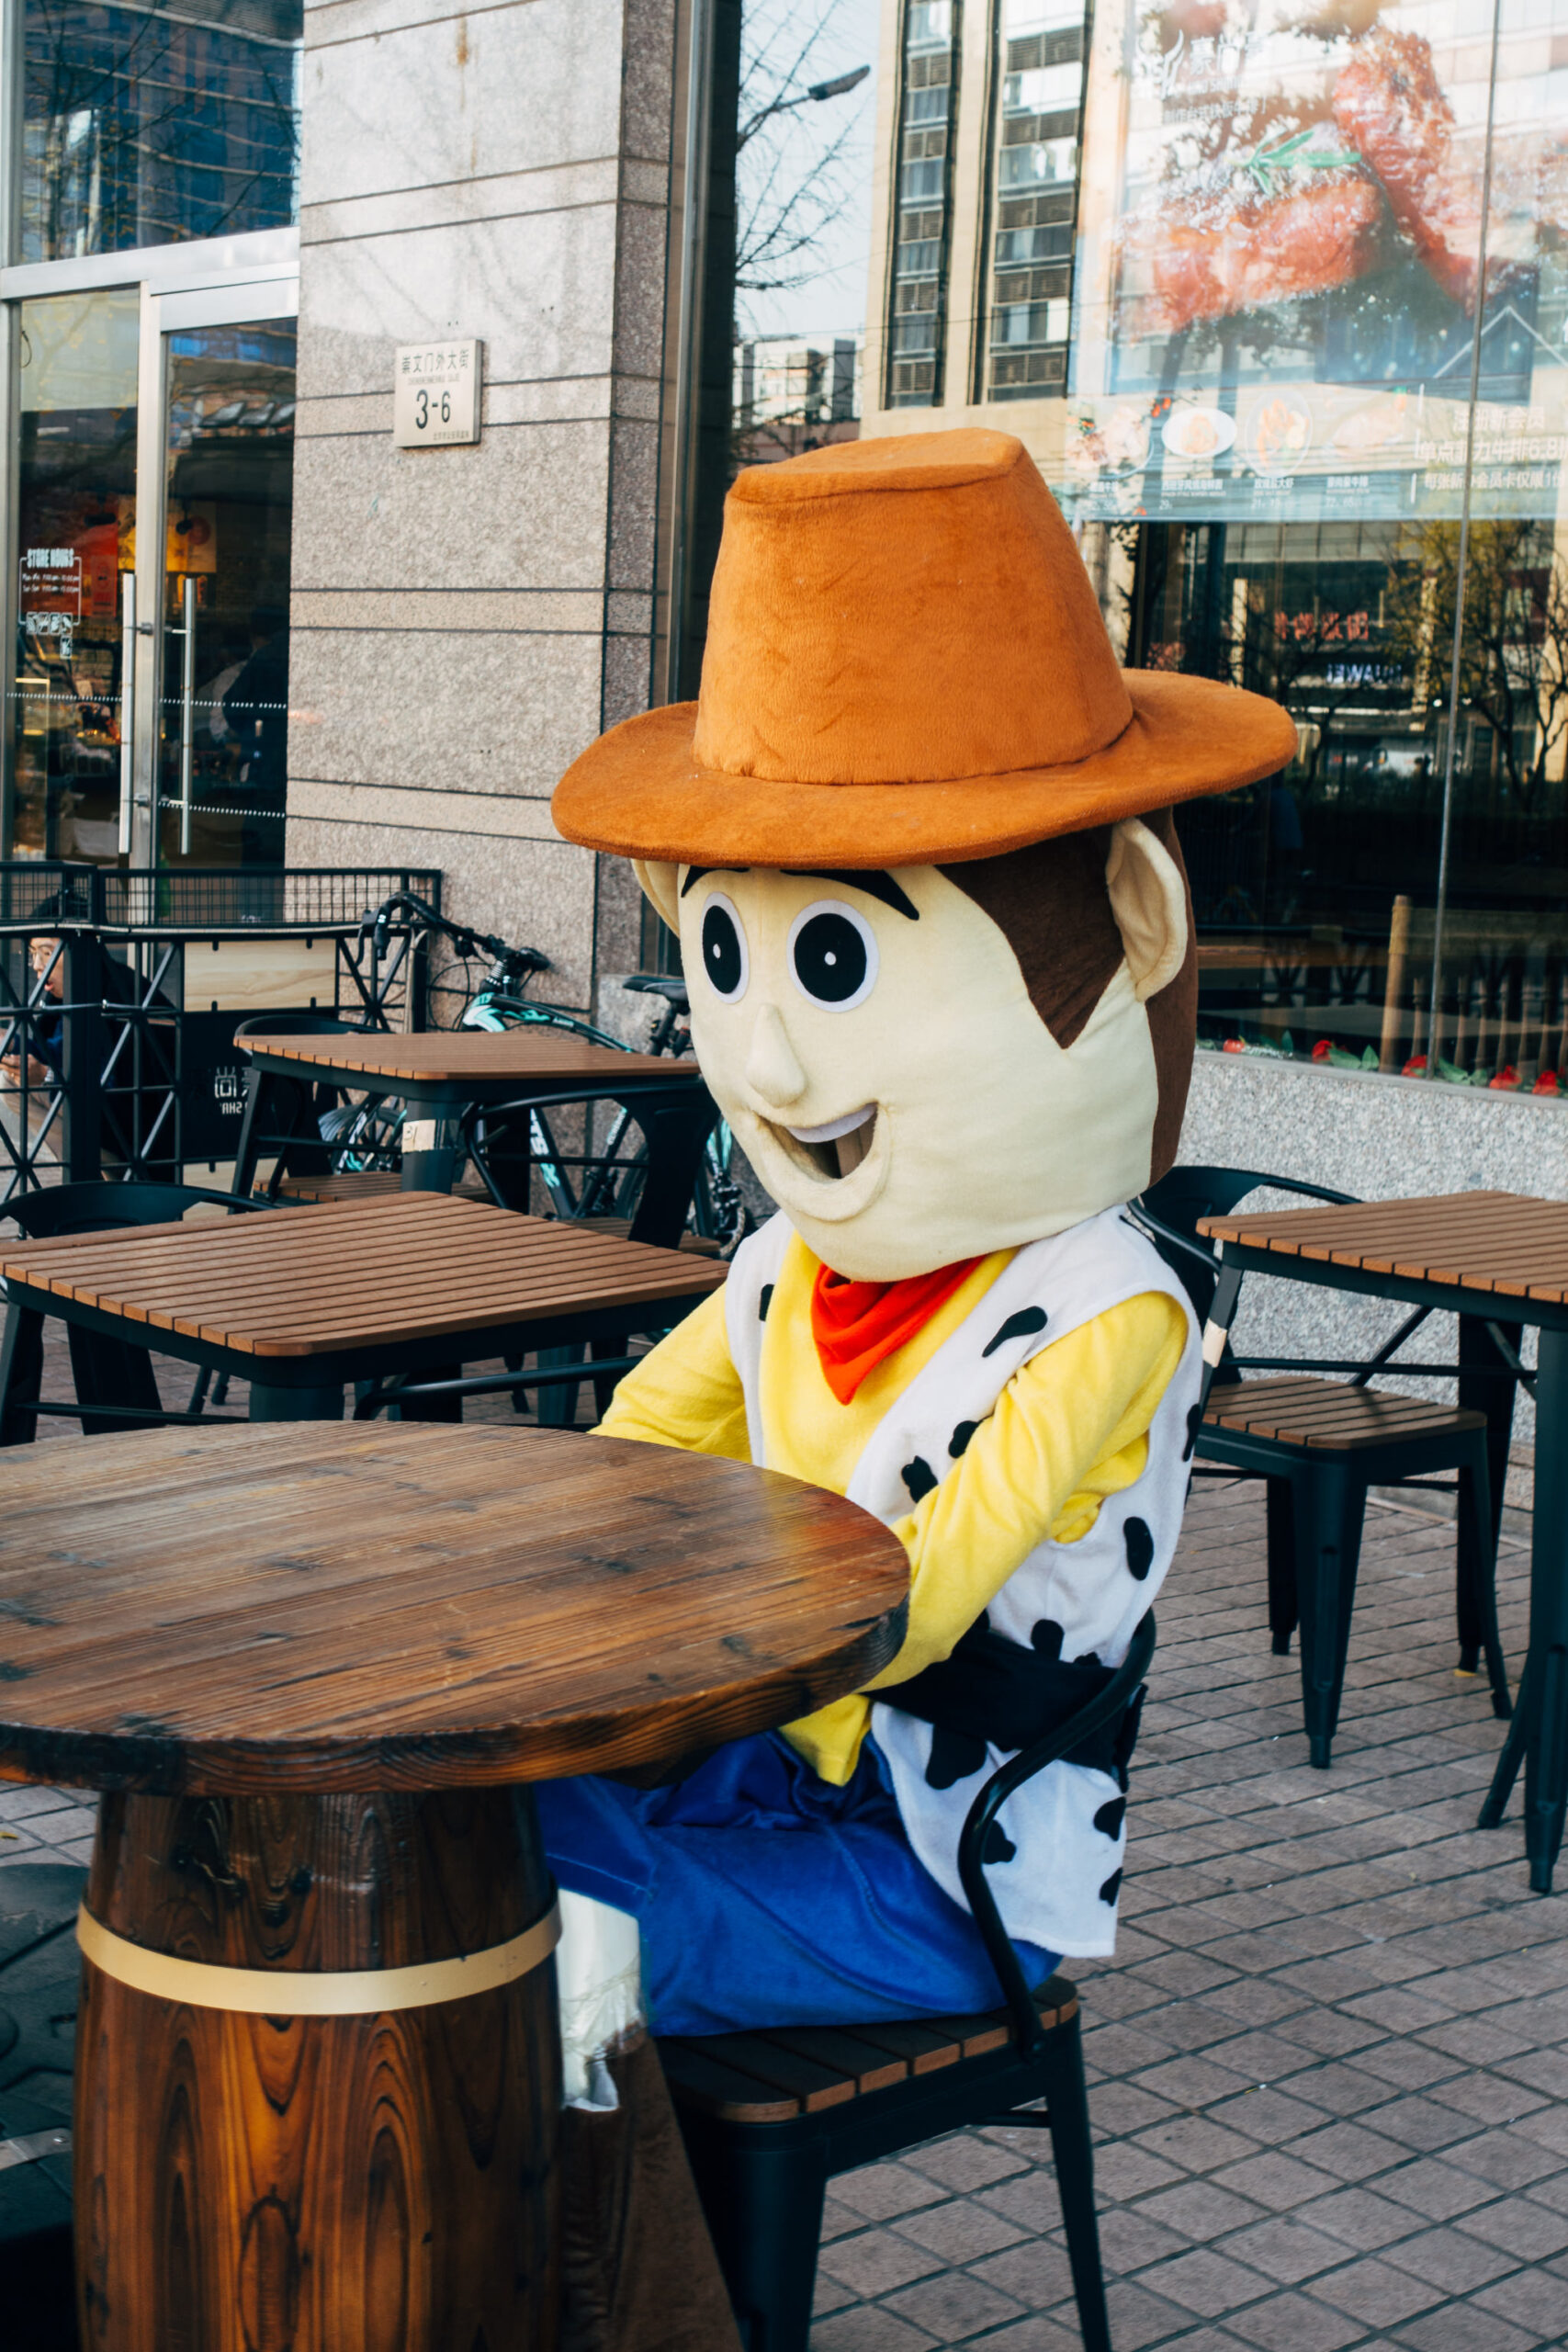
1323	1444
305	1301
1493	1259
116	1386
769	2119
439	1073
281	1117
313	1671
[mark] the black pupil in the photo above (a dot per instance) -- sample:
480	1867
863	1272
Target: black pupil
829	958
721	950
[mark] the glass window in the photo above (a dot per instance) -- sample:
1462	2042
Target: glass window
928	102
230	441
76	541
145	125
1033	201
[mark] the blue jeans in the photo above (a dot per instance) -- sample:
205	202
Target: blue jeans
765	1897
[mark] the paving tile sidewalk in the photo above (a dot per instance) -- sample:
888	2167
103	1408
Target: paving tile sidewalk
1329	2063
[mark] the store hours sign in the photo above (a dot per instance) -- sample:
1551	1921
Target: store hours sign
436	394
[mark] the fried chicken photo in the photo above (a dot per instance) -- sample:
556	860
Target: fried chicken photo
1239	234
1389	105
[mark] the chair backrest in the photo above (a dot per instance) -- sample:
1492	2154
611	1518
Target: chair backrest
1169	1211
1109	1705
297	1024
101	1208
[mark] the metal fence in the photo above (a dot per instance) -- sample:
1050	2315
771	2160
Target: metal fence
120	992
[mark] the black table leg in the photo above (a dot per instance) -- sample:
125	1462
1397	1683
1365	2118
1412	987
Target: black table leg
1480	1356
269	1403
1545	1708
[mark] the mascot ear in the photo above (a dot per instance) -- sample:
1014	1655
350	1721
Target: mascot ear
659	886
1149	903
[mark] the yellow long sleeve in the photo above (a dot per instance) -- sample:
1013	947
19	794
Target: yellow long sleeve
685	1392
1068	1430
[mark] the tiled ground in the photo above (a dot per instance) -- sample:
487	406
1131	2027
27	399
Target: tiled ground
1330	2060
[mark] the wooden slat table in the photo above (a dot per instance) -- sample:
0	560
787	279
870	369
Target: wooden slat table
443	1071
317	2086
301	1302
1487	1258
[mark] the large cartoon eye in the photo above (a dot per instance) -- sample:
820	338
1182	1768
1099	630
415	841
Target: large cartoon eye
724	950
832	955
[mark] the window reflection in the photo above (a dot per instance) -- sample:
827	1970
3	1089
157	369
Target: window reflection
927	132
1040	46
77	541
145	128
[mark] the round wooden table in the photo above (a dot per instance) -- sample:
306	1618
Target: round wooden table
317	2065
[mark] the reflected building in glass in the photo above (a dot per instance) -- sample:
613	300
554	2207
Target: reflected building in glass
1231	274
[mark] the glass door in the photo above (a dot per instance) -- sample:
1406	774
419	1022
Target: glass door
216	448
69	713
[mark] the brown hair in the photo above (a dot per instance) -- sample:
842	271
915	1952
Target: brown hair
1051	904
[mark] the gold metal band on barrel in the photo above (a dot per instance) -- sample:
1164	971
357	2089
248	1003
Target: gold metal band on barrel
298	1993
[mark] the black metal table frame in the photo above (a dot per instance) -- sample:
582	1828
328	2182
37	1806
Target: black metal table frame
446	1099
309	1388
1539	1733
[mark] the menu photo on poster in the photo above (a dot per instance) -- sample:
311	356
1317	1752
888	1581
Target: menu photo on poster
1281	235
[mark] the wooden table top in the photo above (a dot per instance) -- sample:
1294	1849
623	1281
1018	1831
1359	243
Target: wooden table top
333	1278
1507	1244
468	1057
356	1606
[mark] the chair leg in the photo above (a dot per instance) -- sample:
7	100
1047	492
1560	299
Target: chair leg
1284	1610
21	1374
1476	1579
764	2209
1331	1503
1067	2102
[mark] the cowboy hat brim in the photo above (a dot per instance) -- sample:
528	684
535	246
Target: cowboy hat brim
640	792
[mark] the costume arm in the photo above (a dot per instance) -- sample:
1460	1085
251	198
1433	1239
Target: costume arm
686	1391
1069	1429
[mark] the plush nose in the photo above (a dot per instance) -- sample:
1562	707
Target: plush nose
772	1069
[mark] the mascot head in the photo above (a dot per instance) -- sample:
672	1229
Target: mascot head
916	841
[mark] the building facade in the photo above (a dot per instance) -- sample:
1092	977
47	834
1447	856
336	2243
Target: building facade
1308	423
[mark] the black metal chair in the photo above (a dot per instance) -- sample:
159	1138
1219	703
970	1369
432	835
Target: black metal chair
769	2118
116	1388
282	1115
1320	1444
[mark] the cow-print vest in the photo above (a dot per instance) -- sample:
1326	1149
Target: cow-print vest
1061	1840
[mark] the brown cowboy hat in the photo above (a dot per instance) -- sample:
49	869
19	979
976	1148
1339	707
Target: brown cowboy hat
906	666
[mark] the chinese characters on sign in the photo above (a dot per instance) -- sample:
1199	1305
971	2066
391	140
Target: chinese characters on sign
436	394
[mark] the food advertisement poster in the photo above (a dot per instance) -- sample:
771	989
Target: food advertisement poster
1277	306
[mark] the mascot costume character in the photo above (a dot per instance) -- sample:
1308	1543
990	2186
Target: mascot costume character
916	841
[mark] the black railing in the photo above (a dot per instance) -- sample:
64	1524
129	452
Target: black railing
116	1053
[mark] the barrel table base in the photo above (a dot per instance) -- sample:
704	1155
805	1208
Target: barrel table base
366	2182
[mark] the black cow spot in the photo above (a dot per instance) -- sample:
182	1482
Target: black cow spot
1112	1888
1017	1327
999	1846
918	1476
959	1442
1047	1638
1110	1817
1140	1548
956	1756
765	1302
1194	1415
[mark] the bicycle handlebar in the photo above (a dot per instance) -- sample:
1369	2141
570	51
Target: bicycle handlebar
464	938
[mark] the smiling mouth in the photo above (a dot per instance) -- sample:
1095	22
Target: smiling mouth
833	1150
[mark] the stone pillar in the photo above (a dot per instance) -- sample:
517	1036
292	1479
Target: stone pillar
466	620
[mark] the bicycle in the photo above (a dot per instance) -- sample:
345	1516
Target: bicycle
609	1182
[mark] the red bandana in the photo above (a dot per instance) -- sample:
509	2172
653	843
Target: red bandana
855	1324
